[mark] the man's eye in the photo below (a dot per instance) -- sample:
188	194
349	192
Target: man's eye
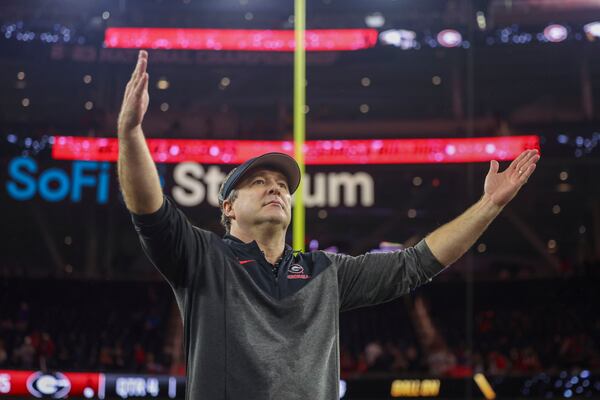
282	185
261	181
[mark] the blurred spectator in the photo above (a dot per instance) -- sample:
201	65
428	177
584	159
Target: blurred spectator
413	358
3	354
24	355
105	358
22	322
46	349
398	360
139	357
152	366
373	351
347	362
119	356
441	361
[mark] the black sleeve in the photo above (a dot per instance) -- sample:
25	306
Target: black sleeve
171	242
375	278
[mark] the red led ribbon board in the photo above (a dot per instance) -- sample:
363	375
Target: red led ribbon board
238	39
317	152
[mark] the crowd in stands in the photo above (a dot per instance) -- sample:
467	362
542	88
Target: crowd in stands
519	328
83	326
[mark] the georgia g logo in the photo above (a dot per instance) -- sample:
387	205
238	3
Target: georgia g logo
296	269
50	385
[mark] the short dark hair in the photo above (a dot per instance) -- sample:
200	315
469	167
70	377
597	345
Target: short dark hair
225	220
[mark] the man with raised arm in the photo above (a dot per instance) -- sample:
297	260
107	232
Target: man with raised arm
261	320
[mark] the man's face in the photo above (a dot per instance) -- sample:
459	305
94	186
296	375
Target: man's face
263	198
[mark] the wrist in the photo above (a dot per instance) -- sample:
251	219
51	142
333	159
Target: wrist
128	131
487	204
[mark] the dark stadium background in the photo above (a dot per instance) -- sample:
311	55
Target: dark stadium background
521	307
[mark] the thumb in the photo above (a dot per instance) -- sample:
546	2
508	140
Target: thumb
494	167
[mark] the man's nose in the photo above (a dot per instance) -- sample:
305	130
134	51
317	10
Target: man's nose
274	188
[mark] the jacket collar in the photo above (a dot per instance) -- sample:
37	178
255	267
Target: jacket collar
252	246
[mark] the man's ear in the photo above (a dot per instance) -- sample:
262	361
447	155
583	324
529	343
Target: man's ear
228	209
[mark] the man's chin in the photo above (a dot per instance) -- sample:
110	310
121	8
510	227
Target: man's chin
274	219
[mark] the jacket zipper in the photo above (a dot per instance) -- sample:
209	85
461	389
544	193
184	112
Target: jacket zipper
276	273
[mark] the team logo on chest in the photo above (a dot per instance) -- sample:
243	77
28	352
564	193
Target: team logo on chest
296	271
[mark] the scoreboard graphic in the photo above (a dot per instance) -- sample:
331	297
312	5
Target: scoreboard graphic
61	385
97	385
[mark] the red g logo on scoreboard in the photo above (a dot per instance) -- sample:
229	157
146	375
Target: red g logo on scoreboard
54	385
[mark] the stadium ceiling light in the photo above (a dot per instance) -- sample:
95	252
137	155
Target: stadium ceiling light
375	20
162	84
402	38
391	37
592	29
563	176
481	21
555	33
449	38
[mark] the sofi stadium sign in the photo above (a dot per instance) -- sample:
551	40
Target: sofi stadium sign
191	169
193	184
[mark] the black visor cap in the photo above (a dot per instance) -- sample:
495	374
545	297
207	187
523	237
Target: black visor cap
278	161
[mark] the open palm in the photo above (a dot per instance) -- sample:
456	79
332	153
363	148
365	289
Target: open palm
501	187
136	98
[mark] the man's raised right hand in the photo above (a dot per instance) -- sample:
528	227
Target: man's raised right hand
136	99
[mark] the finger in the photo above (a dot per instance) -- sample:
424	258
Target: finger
494	167
522	165
142	70
133	81
527	173
142	58
136	69
141	86
128	90
136	88
513	165
146	81
532	161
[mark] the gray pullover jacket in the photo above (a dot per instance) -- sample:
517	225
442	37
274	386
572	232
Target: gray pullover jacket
255	331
